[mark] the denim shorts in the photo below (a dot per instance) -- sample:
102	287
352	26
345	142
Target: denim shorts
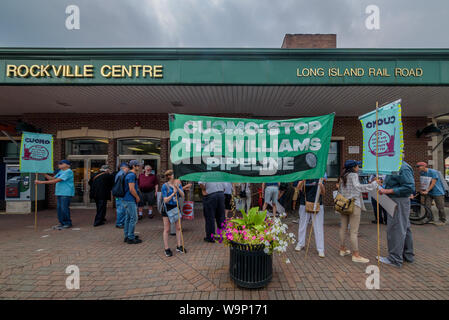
271	194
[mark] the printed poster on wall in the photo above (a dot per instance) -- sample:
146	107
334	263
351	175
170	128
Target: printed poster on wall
249	150
36	153
390	139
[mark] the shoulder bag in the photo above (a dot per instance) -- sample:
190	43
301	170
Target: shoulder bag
310	206
343	205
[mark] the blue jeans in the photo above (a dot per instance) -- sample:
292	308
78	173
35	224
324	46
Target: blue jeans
120	213
130	209
63	203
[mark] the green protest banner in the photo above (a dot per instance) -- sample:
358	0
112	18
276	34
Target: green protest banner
249	150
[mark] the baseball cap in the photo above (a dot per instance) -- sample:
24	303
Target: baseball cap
352	163
134	163
421	164
124	165
65	161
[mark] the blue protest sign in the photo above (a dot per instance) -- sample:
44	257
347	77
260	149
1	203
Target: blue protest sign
390	141
36	153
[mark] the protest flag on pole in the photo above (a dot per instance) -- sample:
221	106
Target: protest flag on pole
383	144
36	156
383	139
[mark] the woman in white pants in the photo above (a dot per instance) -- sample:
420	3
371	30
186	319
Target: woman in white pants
318	218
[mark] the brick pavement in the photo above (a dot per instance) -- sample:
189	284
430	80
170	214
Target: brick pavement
32	264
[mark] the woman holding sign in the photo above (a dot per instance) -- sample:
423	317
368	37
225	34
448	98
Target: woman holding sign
171	191
351	188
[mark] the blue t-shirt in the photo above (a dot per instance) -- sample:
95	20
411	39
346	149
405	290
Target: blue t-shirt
65	187
438	188
168	191
130	178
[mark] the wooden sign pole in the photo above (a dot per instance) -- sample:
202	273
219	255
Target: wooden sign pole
35	202
377	189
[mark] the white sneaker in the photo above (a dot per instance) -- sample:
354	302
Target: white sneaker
360	259
298	247
321	254
345	253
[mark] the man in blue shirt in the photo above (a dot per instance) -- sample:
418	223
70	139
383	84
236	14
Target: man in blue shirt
64	191
120	222
434	192
129	203
399	235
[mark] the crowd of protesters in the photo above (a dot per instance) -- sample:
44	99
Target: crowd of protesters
134	188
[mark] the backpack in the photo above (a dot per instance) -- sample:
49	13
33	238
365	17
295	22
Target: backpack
119	190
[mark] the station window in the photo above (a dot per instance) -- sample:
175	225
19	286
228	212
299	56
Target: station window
139	147
87	147
9	149
333	160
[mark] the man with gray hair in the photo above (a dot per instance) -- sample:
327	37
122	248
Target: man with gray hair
101	185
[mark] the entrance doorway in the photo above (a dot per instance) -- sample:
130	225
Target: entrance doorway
144	150
87	156
83	168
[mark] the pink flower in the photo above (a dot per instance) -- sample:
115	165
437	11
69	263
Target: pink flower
243	227
261	238
254	237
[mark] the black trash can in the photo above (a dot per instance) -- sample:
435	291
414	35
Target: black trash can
249	266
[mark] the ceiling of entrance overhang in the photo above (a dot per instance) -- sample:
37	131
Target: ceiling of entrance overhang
256	100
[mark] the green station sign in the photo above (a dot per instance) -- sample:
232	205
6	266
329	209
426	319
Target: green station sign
224	67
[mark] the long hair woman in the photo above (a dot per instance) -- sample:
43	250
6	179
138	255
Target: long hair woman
351	188
308	191
170	190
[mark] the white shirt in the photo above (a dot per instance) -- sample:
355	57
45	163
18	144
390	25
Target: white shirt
227	187
353	189
212	187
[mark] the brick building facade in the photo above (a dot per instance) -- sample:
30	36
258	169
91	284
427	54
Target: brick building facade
247	83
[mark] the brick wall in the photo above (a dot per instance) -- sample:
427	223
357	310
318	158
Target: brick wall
309	41
347	127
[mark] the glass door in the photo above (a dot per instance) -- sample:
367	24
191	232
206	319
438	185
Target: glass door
83	169
78	168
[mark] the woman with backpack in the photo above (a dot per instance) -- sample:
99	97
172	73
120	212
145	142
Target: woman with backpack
351	189
170	193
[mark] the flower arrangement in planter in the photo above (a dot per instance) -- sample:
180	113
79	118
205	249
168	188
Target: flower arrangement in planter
252	240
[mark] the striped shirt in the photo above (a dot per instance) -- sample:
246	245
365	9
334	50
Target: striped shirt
353	188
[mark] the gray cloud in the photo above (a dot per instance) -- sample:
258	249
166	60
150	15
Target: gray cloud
221	23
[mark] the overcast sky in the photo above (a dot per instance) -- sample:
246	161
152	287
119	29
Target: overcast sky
221	23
